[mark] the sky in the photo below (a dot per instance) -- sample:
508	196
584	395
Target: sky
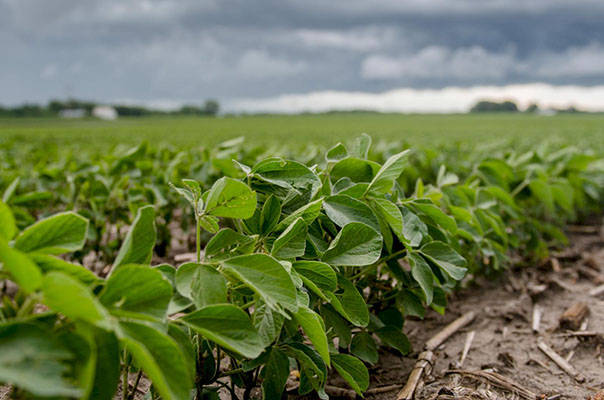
304	55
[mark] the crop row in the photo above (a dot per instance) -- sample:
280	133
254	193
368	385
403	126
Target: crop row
309	265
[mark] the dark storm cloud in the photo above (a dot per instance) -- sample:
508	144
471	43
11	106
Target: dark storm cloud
189	50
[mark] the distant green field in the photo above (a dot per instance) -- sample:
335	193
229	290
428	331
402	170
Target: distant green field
302	129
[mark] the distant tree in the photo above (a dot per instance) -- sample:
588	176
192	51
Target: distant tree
532	109
212	107
485	106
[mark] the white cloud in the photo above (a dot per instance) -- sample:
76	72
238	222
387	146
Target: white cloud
471	63
451	99
356	40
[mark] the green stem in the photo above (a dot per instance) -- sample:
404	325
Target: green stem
368	268
125	377
133	392
198	239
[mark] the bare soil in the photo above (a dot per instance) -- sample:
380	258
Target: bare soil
504	341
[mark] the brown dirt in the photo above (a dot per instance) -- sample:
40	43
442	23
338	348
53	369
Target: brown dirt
504	341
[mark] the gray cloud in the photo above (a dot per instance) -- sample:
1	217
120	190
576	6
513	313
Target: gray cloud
188	50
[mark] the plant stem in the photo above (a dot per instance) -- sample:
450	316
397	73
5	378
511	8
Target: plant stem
138	378
368	268
125	377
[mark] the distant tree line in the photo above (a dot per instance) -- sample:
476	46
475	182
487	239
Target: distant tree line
485	106
56	107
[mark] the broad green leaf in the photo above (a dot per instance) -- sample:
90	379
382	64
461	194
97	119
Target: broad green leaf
268	323
411	304
227	243
227	326
8	228
362	145
270	215
543	192
287	174
422	273
107	365
21	268
364	347
230	198
446	259
292	242
414	229
60	233
356	244
311	366
391	213
31	358
337	325
275	372
160	357
202	284
73	299
49	263
137	247
384	179
336	153
352	370
321	274
437	215
209	223
267	277
136	291
350	304
394	338
342	209
314	328
355	169
308	213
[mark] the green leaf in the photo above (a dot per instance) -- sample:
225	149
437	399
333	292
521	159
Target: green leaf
107	365
384	179
269	217
49	263
311	366
31	358
414	229
230	198
337	325
227	326
136	291
21	268
314	328
73	299
321	274
352	370
446	259
342	209
336	153
137	247
355	169
275	373
394	338
201	283
437	215
543	192
267	277
209	223
422	273
160	357
362	145
227	243
391	213
364	347
267	322
292	242
350	304
60	233
356	244
8	228
10	190
287	174
308	213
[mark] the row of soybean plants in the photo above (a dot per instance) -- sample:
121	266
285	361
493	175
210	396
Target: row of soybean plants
309	268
